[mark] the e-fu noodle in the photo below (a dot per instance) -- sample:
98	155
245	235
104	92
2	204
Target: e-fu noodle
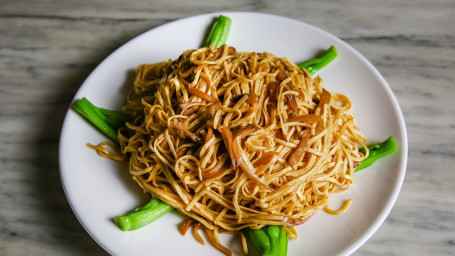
237	139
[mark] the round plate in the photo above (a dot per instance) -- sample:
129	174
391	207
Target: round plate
99	189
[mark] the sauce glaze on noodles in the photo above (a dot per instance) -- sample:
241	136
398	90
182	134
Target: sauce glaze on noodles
237	139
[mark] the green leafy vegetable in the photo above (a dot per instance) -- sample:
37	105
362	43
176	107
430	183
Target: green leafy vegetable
107	121
377	151
315	64
219	32
274	233
115	119
149	205
259	238
143	216
270	240
283	242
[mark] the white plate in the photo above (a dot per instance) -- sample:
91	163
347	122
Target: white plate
99	189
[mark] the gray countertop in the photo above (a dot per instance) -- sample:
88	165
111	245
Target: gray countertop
48	48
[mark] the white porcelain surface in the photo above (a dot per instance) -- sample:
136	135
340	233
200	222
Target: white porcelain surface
98	189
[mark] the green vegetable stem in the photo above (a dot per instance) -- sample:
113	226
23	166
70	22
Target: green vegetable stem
149	205
143	216
283	242
270	240
219	32
274	233
259	238
377	151
107	121
315	64
115	119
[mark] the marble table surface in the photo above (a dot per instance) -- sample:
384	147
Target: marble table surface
47	49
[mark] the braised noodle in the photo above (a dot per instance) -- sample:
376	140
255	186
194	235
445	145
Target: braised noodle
238	139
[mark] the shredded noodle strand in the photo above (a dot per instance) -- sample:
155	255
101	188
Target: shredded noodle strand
236	139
